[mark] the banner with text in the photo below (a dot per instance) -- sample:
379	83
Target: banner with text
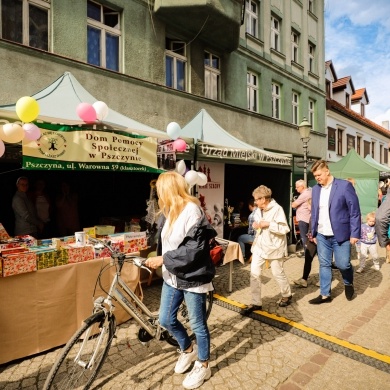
242	156
90	150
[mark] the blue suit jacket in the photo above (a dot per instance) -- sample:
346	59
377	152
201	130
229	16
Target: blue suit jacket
344	210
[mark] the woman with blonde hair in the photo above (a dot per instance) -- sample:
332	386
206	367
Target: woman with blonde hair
184	254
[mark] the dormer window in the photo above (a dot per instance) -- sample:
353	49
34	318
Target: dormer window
347	100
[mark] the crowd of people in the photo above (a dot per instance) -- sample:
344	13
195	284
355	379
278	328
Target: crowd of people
41	216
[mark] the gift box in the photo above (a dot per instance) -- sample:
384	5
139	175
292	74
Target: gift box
13	250
135	242
77	254
9	245
27	240
51	258
18	263
116	243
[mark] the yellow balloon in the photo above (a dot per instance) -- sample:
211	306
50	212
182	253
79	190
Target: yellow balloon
27	109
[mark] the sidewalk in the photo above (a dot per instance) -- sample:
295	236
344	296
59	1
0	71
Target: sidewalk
250	354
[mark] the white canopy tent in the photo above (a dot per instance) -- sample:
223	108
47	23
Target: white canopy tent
58	103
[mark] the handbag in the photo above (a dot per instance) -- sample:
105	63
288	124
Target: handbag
216	252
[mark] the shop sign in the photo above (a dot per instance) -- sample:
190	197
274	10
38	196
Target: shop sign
255	156
90	150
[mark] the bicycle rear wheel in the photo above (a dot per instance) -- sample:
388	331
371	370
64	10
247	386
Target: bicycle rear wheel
183	317
75	368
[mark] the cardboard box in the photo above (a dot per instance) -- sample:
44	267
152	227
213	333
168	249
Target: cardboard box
52	258
18	263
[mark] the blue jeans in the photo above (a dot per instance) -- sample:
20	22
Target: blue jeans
303	230
244	239
171	299
327	246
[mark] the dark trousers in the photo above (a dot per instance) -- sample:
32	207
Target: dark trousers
310	252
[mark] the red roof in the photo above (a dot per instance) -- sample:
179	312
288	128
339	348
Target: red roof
336	106
359	94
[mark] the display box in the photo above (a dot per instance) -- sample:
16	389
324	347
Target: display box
78	254
135	242
18	263
51	258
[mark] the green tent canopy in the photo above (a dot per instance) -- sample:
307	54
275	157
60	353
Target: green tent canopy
366	176
384	170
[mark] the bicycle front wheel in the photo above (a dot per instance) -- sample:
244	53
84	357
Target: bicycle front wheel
84	354
184	318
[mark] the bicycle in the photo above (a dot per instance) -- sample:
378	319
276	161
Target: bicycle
83	356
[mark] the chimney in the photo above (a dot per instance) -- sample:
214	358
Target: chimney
385	124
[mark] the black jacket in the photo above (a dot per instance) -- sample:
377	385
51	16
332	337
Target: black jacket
191	262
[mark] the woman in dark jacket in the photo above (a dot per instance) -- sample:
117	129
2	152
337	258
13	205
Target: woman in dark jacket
187	273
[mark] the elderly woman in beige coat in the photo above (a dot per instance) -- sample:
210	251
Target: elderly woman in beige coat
270	244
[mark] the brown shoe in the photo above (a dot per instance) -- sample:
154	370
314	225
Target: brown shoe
285	301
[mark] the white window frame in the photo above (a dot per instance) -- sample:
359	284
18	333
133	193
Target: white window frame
311	56
311	113
276	96
295	46
275	33
178	57
104	29
212	78
295	108
252	91
26	18
252	18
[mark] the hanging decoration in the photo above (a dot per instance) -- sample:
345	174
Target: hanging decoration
179	145
11	133
2	148
101	110
31	131
27	109
86	112
173	130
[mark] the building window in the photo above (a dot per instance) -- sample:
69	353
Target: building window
339	142
103	29
373	149
381	154
311	57
328	87
347	100
175	64
331	139
252	91
311	6
312	114
295	108
294	47
385	156
251	15
275	33
350	142
26	22
358	145
362	109
275	101
366	148
212	75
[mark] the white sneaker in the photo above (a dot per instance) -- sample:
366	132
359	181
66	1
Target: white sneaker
377	267
359	270
186	359
300	282
197	376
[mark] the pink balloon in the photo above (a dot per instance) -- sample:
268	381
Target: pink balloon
31	131
2	148
179	145
86	112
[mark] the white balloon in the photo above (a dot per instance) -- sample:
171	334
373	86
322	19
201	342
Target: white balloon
2	148
181	167
202	179
101	109
12	133
191	177
173	130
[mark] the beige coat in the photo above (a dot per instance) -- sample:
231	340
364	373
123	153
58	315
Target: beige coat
271	243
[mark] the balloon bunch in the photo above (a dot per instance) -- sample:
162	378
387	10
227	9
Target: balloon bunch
90	113
27	109
173	130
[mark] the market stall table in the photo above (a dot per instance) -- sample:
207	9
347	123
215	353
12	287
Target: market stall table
232	251
41	310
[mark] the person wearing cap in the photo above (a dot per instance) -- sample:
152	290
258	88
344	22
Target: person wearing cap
26	218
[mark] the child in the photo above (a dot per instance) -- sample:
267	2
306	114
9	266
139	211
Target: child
368	243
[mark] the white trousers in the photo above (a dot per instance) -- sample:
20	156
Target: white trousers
365	250
278	273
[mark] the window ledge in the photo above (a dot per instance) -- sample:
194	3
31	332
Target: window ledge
314	75
253	38
312	15
278	53
296	65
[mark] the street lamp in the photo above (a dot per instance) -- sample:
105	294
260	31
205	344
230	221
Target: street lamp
304	131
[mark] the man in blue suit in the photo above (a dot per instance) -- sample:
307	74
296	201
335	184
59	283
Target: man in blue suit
336	222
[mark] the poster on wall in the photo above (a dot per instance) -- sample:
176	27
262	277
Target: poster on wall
211	195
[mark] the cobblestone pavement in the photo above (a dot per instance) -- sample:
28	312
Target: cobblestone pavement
247	353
